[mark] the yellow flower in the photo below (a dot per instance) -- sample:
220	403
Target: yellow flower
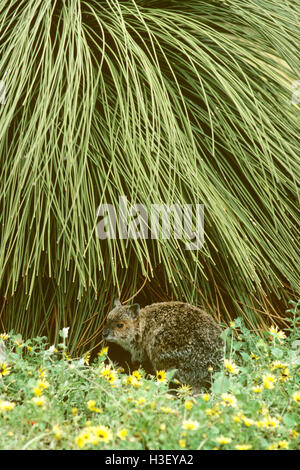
205	396
279	445
243	446
4	336
190	425
42	384
161	376
214	411
132	380
42	372
184	390
254	357
165	409
141	401
229	400
37	391
182	443
6	405
285	375
232	324
257	389
264	410
296	397
39	401
91	404
223	440
4	370
268	381
294	433
103	433
122	434
231	367
103	351
277	365
111	377
280	335
82	439
105	370
57	432
86	357
267	422
238	418
74	411
188	404
247	421
136	374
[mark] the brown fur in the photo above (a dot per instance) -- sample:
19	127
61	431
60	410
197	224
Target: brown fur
169	335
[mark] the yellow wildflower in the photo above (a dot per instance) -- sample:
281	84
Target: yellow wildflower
280	335
91	404
4	336
37	391
103	433
182	443
161	376
231	367
6	405
132	380
122	434
136	374
205	396
223	440
103	351
165	409
214	411
254	356
141	401
296	397
229	400
279	445
243	446
86	357
277	365
188	404
247	421
190	425
39	401
257	389
284	375
57	432
4	370
268	381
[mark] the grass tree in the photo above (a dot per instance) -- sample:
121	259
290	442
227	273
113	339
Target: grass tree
163	102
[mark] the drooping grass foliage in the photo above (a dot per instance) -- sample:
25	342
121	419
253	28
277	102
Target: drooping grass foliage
162	102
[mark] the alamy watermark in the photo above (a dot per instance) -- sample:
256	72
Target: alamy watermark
184	222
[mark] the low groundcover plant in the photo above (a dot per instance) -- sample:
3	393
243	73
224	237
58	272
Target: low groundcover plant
49	400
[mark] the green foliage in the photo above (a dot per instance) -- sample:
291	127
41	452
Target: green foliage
162	102
51	401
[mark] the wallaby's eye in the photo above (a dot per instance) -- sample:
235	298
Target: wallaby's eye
120	325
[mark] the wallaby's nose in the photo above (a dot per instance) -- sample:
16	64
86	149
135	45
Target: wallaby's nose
105	333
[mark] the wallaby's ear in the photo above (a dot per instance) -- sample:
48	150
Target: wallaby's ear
117	303
135	309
